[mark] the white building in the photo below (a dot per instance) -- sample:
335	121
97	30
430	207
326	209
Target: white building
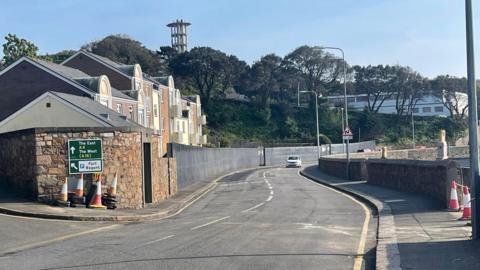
428	105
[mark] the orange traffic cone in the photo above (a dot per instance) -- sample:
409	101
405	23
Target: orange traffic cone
64	193
113	188
467	211
79	189
453	204
97	198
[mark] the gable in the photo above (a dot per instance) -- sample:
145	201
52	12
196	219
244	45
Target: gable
24	82
55	114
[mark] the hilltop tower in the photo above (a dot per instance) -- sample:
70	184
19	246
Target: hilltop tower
179	35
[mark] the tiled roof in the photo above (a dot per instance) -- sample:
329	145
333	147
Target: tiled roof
97	110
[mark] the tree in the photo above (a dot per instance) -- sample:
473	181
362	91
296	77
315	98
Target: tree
376	82
123	49
15	48
58	57
208	71
265	78
318	69
447	88
409	87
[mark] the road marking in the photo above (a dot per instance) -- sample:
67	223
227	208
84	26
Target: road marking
209	223
58	239
269	198
157	240
271	192
254	207
357	265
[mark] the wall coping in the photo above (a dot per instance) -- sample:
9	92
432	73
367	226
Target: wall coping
33	131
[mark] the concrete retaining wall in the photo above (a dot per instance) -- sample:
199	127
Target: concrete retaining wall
196	164
278	155
431	178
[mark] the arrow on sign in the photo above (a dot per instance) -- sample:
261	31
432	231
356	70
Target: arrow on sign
73	165
72	149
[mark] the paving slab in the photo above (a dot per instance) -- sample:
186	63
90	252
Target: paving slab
415	231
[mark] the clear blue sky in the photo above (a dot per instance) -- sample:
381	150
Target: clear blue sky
427	35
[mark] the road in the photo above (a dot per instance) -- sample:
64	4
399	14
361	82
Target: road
265	219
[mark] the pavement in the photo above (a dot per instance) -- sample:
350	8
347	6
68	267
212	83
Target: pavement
270	218
12	204
415	232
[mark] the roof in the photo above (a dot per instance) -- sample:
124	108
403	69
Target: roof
123	68
65	71
96	109
118	94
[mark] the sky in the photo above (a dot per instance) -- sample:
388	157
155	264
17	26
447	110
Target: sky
427	35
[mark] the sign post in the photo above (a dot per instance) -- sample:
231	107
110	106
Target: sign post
347	134
85	156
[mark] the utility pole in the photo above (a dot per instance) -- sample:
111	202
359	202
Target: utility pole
472	120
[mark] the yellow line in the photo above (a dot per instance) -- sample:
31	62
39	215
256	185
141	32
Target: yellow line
58	239
357	265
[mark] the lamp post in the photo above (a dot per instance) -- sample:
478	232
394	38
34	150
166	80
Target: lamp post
316	114
345	99
472	120
413	123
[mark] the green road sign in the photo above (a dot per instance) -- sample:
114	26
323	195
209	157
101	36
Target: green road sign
85	156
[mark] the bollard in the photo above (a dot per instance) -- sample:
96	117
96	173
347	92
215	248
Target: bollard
384	152
442	147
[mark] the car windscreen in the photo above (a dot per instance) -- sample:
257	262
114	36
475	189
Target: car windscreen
292	158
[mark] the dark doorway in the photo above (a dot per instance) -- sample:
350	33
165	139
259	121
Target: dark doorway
147	172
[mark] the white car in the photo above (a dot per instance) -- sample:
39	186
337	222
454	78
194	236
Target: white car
294	161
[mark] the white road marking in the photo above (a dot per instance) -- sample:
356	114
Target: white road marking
209	223
157	240
254	207
310	226
269	198
271	192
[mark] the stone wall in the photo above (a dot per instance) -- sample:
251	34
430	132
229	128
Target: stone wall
431	178
122	154
17	162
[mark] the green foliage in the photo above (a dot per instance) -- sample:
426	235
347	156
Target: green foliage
123	49
14	48
58	57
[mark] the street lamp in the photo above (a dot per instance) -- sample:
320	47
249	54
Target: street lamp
472	120
413	123
316	114
345	99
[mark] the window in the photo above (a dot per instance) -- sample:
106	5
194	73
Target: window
130	112
162	124
416	110
155	110
137	84
427	109
439	109
120	108
140	117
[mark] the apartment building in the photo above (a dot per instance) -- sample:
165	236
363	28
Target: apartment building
37	93
428	105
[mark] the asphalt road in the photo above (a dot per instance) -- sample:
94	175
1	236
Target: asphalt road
266	219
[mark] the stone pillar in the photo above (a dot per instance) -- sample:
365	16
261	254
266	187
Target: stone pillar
442	152
384	152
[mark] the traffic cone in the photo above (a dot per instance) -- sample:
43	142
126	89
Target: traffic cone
79	189
467	211
97	198
64	193
112	192
453	204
